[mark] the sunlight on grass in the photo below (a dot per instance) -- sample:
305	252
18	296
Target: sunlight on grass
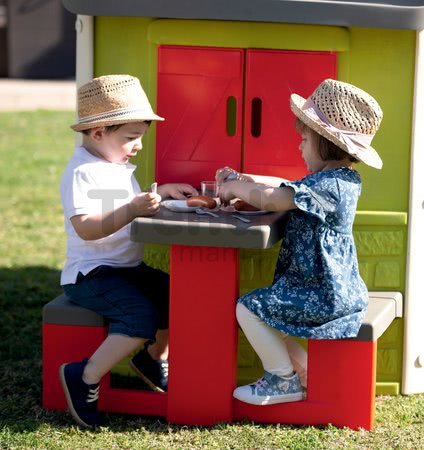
34	149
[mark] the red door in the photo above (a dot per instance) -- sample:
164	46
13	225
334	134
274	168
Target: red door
270	141
199	95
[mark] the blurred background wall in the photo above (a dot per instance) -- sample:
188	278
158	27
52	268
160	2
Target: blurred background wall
37	40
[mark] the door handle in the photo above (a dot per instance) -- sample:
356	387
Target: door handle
231	116
256	117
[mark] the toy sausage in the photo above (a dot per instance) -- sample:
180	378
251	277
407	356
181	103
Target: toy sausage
241	205
201	201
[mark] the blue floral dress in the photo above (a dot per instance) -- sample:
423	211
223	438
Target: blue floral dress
317	291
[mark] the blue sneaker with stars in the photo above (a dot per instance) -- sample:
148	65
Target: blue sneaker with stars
271	389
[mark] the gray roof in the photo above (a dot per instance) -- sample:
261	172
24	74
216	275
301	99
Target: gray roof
400	14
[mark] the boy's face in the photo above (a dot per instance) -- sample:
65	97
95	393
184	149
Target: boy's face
117	146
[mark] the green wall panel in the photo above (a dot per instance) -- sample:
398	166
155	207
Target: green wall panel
382	63
121	46
248	35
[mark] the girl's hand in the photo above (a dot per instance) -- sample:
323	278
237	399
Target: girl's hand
179	191
225	192
228	174
222	175
145	204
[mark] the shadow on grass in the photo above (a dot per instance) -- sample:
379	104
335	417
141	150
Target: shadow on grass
23	293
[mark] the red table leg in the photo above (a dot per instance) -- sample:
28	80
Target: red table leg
202	334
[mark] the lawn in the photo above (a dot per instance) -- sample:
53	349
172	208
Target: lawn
34	148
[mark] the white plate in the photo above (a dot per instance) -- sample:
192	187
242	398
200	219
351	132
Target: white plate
178	206
228	208
252	213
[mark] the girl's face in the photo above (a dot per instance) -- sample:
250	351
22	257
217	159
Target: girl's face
309	148
117	146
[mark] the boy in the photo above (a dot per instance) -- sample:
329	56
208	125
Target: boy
104	271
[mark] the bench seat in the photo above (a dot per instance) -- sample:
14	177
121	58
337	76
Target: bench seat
341	373
383	308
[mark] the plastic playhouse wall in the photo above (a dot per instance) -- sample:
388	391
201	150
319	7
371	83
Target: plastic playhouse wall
381	61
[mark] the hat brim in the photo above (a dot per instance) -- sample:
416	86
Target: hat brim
120	121
370	157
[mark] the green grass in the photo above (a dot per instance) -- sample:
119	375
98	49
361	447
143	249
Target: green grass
34	148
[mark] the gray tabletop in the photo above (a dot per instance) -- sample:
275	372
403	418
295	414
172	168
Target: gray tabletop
189	228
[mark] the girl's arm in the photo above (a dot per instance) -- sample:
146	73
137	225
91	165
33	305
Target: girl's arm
264	179
261	196
92	227
228	174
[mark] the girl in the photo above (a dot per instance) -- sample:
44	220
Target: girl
317	291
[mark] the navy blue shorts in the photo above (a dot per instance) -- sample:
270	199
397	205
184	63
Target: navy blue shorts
134	300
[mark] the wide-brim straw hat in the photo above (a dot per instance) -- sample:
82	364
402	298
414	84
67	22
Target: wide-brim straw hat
112	100
345	115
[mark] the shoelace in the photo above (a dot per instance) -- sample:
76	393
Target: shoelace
93	394
164	367
260	383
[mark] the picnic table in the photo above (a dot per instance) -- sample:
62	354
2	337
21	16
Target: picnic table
204	286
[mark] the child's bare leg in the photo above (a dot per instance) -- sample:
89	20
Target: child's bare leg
160	349
114	348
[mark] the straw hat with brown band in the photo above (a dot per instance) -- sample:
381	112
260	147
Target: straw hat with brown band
345	115
112	100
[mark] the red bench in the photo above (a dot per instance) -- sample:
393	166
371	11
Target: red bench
341	373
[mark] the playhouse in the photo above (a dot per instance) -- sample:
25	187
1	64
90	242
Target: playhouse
221	73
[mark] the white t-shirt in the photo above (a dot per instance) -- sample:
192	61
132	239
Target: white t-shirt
91	185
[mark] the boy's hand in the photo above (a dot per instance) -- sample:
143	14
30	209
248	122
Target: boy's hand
179	191
145	204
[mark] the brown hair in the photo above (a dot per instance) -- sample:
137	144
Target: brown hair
327	150
112	128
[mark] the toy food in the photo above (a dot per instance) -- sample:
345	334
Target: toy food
241	205
201	201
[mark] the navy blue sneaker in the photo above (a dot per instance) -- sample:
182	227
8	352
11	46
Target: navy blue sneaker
81	397
153	372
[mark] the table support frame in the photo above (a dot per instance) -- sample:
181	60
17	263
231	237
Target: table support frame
203	356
